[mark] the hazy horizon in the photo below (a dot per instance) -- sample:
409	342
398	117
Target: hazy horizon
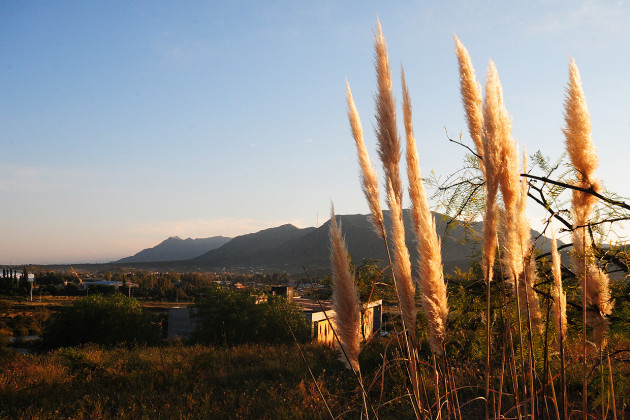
124	124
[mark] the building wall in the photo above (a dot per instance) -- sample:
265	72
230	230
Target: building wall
323	332
370	323
180	323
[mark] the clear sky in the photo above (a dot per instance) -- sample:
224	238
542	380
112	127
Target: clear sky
124	123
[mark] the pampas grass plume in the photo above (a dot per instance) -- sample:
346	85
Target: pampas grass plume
402	267
386	130
530	275
431	281
498	133
369	179
345	297
579	141
583	155
471	98
559	297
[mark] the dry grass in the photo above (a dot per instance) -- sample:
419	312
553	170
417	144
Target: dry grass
471	98
369	179
581	150
345	296
431	276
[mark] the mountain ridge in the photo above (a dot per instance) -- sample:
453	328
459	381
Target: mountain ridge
175	248
287	248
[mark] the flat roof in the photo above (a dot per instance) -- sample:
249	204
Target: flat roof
311	305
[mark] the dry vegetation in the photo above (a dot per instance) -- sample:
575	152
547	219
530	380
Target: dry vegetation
521	369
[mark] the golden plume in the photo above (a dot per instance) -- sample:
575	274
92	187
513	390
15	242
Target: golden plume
559	297
431	281
386	131
369	179
471	98
345	297
583	155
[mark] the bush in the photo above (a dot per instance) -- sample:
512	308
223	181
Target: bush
106	320
232	317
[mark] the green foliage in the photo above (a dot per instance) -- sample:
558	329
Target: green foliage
107	320
231	317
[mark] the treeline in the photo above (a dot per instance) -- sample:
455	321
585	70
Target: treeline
15	281
146	285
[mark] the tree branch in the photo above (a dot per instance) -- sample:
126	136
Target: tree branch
463	145
590	191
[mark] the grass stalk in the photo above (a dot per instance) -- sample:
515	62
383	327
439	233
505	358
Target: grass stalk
612	388
413	377
601	382
308	367
553	395
546	358
343	351
520	340
488	373
438	406
531	363
565	399
451	380
498	411
507	318
584	390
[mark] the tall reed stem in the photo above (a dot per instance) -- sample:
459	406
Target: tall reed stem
520	341
565	400
612	389
511	340
488	373
584	396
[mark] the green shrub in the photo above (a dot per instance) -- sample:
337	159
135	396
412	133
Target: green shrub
232	317
107	320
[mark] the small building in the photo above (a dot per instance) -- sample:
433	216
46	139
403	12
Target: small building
322	316
181	325
286	291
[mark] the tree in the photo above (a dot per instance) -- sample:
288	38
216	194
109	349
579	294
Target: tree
106	320
232	317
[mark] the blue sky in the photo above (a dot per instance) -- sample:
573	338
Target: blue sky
123	123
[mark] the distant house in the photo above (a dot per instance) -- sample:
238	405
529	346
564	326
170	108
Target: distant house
109	283
181	325
286	291
321	316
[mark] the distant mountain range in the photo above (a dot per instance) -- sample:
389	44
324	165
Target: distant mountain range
175	248
289	249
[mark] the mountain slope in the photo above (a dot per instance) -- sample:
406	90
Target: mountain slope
287	248
251	249
290	249
175	248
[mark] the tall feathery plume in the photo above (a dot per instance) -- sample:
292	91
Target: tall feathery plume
386	131
487	148
345	296
402	266
529	276
498	128
389	153
499	144
559	297
471	98
583	155
369	179
488	151
431	281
